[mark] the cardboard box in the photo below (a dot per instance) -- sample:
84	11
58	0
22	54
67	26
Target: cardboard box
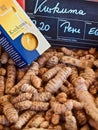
18	35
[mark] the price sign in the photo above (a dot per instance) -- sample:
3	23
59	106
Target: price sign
71	23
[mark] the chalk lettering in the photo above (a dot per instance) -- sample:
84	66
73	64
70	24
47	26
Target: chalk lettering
44	27
93	31
68	28
35	22
43	7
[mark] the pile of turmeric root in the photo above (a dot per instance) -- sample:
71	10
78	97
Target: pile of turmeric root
58	91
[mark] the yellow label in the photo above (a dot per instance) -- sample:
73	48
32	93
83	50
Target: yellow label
29	41
11	19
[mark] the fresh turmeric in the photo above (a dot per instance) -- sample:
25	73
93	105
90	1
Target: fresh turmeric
11	76
70	87
24	105
44	58
60	100
11	62
72	93
96	63
93	89
70	123
2	85
54	84
33	70
44	96
55	119
28	88
21	97
81	53
74	75
89	58
50	73
10	112
67	51
23	119
85	127
74	61
52	61
2	71
42	71
36	81
4	98
35	121
39	106
86	98
4	57
44	124
59	108
48	115
89	76
20	74
4	121
61	97
92	51
59	54
81	117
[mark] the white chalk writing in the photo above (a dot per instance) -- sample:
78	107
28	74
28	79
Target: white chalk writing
43	7
93	31
68	28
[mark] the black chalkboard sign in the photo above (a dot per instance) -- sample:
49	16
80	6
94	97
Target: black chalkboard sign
72	23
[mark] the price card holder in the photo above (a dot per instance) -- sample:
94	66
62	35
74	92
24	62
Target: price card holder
66	23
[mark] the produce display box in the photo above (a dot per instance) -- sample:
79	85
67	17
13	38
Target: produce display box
18	35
